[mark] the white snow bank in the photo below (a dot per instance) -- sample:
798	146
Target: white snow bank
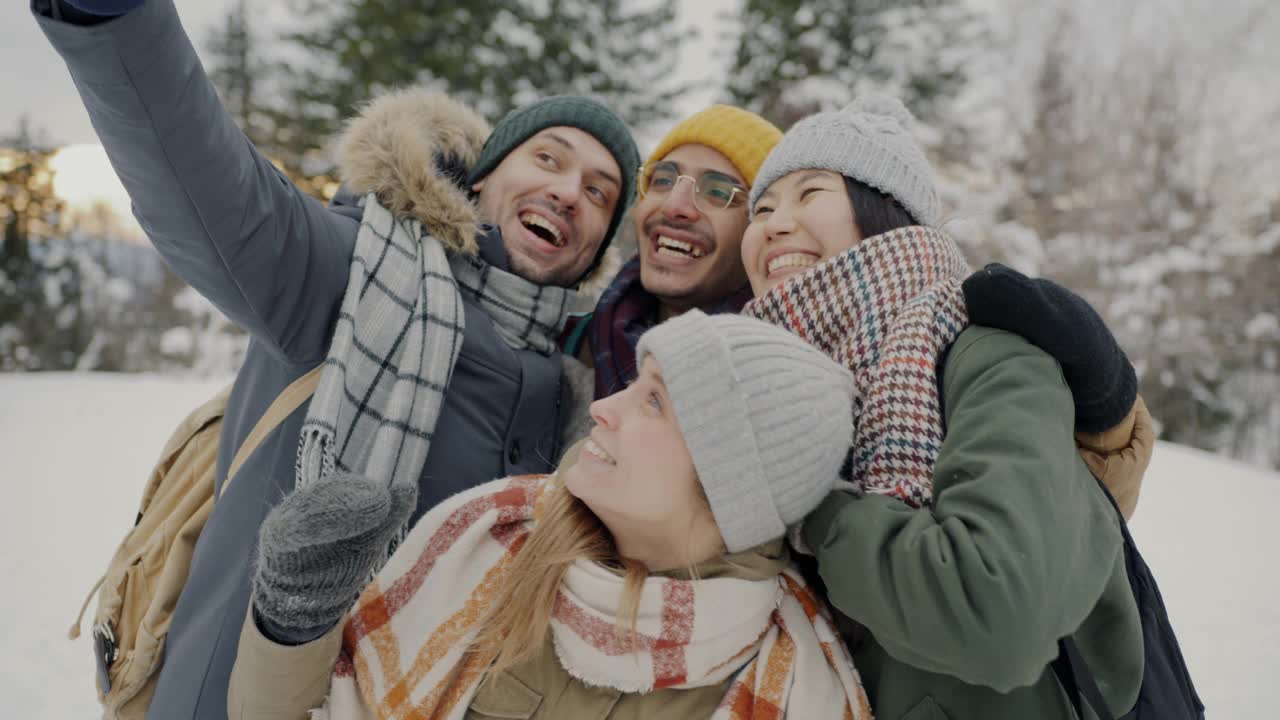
76	448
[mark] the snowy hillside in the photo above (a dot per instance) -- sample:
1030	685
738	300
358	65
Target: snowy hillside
75	449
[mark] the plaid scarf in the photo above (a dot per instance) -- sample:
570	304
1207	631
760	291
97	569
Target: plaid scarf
888	309
526	315
400	329
405	646
625	311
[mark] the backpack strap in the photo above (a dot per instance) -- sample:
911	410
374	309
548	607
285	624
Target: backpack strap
1070	667
282	407
1078	682
290	399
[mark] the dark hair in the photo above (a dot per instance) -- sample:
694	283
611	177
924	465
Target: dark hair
875	212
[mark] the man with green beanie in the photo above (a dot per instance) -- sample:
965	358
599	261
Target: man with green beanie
520	155
431	291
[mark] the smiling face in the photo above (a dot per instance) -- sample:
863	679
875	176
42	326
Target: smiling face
690	257
635	471
801	220
552	197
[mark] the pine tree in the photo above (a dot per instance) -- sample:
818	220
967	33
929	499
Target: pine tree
235	69
30	212
795	57
491	54
27	200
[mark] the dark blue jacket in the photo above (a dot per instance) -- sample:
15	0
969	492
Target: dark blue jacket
275	261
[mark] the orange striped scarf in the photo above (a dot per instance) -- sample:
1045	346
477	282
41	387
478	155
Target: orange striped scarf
405	644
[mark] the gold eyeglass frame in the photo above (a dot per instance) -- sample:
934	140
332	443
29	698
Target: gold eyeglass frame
642	187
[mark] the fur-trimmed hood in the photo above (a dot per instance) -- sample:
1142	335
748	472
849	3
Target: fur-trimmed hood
397	148
411	147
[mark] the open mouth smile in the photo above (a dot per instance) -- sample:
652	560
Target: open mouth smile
542	228
790	261
591	448
678	248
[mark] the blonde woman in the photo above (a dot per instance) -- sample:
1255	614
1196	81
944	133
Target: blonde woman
646	578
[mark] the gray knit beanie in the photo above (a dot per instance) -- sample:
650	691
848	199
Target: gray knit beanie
767	418
870	141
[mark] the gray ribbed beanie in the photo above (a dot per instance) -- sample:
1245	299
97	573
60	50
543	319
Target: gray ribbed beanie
870	141
766	416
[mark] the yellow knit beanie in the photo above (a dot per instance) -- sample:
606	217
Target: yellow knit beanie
742	136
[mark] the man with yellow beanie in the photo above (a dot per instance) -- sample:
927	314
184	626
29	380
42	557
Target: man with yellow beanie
690	216
689	219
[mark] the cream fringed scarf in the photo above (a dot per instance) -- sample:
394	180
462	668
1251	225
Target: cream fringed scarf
405	645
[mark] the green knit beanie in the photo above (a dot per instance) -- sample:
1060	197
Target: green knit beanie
574	111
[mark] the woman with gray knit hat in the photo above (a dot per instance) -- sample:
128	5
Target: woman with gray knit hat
968	538
646	578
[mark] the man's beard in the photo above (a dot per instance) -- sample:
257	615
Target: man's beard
527	268
522	266
716	284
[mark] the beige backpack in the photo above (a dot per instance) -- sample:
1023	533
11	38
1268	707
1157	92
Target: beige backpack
149	568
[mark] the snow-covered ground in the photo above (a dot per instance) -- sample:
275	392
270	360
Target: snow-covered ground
75	449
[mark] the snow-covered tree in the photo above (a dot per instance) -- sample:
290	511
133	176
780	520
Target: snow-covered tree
1134	163
794	57
494	55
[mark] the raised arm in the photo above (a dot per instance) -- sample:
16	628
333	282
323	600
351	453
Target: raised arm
1019	545
270	257
1113	428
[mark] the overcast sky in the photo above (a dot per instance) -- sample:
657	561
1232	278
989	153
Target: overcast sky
35	82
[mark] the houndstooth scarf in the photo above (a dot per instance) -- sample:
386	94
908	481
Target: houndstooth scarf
406	643
400	329
887	309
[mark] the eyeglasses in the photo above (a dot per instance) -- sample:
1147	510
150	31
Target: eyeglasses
711	192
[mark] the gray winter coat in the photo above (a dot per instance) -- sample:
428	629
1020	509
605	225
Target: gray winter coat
275	261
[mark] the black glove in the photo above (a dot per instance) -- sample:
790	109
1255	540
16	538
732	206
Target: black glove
1051	317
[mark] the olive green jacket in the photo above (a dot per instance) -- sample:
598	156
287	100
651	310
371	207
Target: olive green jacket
959	608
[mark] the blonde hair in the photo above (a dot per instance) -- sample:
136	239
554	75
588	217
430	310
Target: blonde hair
565	531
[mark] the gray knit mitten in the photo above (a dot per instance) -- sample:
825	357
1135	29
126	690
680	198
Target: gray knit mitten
317	549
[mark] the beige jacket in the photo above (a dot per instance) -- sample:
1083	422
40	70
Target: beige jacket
279	682
1119	456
